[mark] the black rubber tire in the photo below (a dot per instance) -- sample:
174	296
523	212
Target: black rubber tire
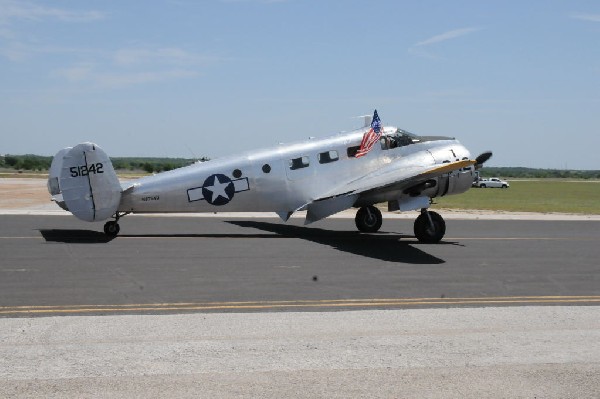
482	186
423	230
368	219
504	186
111	228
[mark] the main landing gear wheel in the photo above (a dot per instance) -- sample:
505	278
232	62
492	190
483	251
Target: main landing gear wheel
368	219
430	227
111	228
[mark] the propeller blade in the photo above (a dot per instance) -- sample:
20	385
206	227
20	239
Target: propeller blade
482	158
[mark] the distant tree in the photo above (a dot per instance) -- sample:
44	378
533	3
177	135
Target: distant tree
148	167
519	172
11	161
28	164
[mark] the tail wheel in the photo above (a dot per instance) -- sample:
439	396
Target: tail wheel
111	228
430	227
368	219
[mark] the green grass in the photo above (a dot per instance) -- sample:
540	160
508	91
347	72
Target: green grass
530	196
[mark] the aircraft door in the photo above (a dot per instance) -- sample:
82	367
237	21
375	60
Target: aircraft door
270	183
298	167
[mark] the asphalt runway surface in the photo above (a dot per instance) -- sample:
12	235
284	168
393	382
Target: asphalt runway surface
53	265
252	307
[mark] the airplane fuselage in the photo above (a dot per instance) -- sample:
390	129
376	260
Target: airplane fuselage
285	178
321	176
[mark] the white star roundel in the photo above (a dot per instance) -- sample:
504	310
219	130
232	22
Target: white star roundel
218	189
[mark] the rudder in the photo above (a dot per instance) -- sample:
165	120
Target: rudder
88	183
54	178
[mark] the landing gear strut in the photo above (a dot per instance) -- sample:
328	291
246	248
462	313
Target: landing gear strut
111	228
368	219
429	227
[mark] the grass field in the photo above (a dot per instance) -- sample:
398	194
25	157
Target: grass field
547	195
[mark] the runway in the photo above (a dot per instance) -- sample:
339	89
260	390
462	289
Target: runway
251	307
58	265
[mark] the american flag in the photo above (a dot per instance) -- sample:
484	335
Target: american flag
371	137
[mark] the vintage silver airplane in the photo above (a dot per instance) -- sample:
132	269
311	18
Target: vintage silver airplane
368	166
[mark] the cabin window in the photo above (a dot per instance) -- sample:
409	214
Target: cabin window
352	151
237	173
299	163
266	168
328	156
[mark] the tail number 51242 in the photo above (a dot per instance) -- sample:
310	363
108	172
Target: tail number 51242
85	170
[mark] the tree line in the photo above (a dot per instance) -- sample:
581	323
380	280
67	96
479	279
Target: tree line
38	163
533	173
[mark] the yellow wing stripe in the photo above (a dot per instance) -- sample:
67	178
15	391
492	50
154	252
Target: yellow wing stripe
449	167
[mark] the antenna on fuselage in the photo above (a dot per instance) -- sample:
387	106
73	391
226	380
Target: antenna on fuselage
367	118
195	157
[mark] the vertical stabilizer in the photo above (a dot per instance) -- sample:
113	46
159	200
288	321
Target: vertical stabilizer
88	183
54	177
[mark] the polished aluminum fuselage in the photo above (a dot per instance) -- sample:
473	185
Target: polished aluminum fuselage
266	180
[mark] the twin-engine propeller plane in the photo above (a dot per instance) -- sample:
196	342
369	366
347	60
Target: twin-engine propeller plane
371	165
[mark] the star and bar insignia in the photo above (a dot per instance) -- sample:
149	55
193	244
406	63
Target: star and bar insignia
218	189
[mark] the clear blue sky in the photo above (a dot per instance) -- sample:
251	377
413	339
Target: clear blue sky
176	77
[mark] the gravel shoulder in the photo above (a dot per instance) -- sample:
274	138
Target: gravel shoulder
548	352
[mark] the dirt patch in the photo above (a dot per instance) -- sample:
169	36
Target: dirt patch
23	193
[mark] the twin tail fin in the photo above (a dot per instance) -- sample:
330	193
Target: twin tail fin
83	181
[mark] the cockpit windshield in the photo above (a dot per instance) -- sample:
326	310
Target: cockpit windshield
399	138
408	137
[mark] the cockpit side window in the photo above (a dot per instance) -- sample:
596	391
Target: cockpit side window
388	142
351	151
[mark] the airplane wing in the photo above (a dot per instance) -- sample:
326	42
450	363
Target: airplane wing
394	176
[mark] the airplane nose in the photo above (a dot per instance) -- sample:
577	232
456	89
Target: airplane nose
464	153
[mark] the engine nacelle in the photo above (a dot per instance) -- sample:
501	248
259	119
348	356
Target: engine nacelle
456	182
